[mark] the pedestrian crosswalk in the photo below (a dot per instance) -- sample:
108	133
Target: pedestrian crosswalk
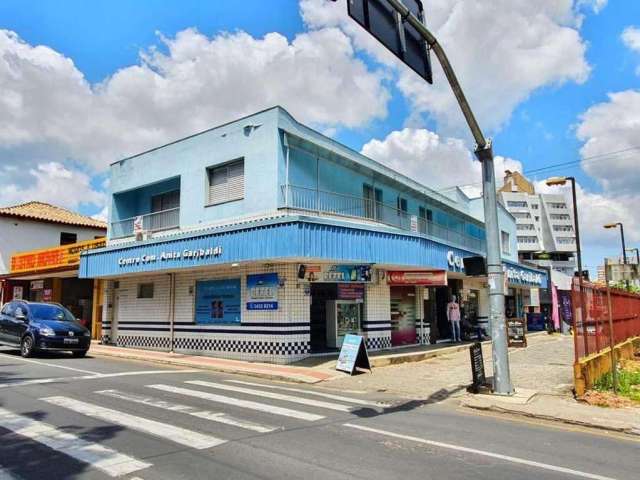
103	458
268	408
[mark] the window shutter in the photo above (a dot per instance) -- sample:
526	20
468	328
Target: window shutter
226	183
235	179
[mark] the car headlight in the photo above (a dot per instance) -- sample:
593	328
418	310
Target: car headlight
47	331
86	334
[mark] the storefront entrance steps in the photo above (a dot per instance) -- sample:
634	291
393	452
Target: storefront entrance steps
255	369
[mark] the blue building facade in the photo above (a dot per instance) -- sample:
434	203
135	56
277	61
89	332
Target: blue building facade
264	240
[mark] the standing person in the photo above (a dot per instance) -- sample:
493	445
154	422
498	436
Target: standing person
453	315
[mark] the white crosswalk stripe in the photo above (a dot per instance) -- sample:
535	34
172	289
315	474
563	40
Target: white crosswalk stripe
103	458
356	401
238	402
195	412
273	395
163	430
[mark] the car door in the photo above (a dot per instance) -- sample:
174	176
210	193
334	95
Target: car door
19	323
6	318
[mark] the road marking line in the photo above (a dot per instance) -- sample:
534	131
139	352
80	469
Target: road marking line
53	365
357	401
163	430
274	396
484	453
237	402
38	381
177	407
103	458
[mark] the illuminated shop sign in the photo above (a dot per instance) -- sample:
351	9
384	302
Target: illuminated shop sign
335	273
184	255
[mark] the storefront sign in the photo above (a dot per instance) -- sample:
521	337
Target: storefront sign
50	258
262	291
184	255
351	291
353	354
335	273
218	301
519	276
477	367
36	285
431	278
516	332
455	262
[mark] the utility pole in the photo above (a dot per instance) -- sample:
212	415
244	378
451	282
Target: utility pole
484	152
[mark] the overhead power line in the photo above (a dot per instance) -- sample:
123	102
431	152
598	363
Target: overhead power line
591	159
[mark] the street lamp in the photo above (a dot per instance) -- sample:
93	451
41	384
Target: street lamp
624	248
553	181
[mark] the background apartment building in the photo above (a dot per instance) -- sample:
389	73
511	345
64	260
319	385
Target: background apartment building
544	223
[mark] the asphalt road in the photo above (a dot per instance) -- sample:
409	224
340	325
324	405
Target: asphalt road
98	418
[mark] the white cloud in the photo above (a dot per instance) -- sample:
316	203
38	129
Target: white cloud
502	50
631	38
613	126
595	5
193	83
435	161
53	183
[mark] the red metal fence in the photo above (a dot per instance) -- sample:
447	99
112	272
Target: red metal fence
593	335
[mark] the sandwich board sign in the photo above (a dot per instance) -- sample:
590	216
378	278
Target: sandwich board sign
353	354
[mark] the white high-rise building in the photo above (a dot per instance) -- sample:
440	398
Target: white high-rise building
545	225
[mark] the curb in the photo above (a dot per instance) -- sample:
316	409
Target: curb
507	411
303	379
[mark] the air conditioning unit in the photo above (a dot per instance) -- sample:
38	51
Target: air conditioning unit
143	235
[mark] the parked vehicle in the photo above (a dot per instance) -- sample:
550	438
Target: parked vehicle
36	326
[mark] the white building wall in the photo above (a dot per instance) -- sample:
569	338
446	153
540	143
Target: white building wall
18	235
276	336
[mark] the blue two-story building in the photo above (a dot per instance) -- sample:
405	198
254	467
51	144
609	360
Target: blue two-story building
262	239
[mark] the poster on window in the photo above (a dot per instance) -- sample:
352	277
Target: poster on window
218	301
262	291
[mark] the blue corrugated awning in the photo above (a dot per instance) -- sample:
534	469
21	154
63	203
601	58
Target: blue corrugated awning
280	240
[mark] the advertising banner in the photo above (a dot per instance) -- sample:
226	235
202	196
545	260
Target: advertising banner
335	273
431	278
50	258
262	291
218	301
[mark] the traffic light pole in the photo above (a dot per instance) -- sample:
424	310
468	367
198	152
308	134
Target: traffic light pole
484	152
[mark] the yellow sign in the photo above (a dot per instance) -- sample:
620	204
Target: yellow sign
52	258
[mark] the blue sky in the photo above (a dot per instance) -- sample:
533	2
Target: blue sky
538	128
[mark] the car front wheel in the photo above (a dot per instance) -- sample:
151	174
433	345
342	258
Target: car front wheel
26	346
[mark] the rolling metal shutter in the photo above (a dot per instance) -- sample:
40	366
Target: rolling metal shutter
226	183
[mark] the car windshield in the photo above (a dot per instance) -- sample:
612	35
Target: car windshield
51	312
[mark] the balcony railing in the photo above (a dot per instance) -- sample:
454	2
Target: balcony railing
336	204
151	222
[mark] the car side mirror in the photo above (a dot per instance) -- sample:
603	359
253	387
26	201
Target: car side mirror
21	316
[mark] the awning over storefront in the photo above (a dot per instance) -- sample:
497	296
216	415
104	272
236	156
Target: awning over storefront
295	238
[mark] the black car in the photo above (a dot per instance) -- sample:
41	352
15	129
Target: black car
35	326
